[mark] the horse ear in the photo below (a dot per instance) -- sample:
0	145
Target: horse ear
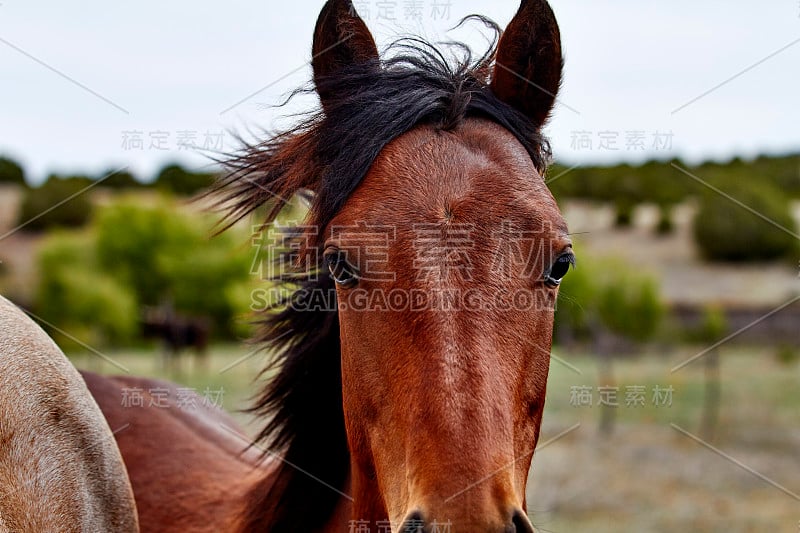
341	39
527	72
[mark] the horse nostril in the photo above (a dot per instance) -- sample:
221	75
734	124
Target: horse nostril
414	523
521	524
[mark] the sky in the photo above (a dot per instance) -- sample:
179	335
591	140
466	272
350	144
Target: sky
89	86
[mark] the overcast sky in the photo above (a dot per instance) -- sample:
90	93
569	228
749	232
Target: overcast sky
84	82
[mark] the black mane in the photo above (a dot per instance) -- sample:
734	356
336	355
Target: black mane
330	153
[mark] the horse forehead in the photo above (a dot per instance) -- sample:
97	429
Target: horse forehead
476	175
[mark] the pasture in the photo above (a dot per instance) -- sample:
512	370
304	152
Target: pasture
647	475
412	312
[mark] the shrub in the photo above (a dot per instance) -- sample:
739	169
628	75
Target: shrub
177	180
725	231
120	180
166	256
629	305
787	354
784	172
59	202
576	299
666	224
93	282
623	186
130	240
204	280
606	293
11	172
712	327
624	213
86	305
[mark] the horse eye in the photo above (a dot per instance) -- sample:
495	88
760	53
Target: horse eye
341	271
559	269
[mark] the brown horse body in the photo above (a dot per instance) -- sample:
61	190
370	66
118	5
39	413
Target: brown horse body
414	416
186	463
60	469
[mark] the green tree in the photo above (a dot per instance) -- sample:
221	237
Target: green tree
726	231
606	294
175	179
666	187
576	301
11	172
132	238
59	202
167	256
217	263
78	298
120	180
629	306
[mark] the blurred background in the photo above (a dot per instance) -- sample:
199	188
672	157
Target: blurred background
674	395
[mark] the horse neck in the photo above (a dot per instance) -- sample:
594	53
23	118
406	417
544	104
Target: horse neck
343	514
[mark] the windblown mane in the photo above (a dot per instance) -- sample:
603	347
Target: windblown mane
330	153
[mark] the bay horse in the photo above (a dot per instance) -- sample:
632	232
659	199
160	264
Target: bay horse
60	468
176	331
408	385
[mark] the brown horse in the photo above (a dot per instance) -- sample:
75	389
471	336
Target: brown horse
177	332
413	354
60	469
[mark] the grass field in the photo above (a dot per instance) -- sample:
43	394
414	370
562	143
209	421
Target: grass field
653	473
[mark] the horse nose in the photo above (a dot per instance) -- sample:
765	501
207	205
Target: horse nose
415	523
520	523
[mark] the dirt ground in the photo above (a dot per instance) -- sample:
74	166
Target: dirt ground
654	478
658	471
676	262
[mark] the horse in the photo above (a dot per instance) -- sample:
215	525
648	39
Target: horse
60	468
412	350
177	332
